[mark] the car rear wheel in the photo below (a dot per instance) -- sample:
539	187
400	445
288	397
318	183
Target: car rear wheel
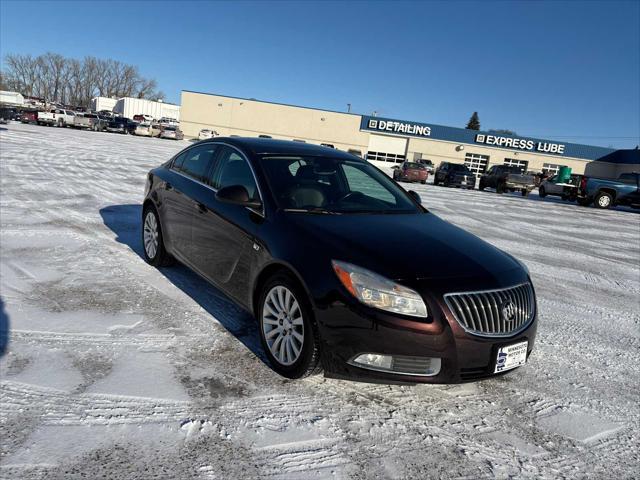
542	192
603	200
583	202
287	331
152	241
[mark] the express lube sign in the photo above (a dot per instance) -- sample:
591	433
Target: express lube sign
392	126
520	143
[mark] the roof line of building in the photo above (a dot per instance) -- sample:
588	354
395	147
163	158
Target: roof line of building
274	103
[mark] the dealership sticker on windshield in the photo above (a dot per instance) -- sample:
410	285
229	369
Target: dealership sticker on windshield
511	356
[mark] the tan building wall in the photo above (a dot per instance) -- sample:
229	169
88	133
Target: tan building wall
236	116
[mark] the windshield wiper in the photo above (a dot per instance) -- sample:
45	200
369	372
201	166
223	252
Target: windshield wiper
315	210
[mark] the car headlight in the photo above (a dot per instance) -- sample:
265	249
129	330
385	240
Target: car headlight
379	292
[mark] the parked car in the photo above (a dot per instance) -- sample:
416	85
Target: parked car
171	122
144	130
28	116
173	133
47	118
605	193
121	125
507	178
8	113
567	191
205	134
293	233
143	118
428	164
64	117
410	172
91	121
454	175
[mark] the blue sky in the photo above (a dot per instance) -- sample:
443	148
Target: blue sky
568	71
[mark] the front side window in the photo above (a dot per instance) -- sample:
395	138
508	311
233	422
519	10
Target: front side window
332	185
233	169
196	161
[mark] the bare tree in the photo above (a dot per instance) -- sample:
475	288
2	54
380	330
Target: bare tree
66	80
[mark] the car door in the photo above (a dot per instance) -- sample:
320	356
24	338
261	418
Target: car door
630	189
487	177
223	233
187	172
442	172
551	187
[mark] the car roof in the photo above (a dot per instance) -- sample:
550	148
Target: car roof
266	146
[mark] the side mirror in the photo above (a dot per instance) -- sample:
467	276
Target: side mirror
238	195
415	196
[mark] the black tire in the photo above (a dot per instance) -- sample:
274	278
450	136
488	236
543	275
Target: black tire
524	192
159	258
435	181
500	188
583	202
481	186
308	361
542	192
603	200
423	182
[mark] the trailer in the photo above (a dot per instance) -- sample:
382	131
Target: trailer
130	107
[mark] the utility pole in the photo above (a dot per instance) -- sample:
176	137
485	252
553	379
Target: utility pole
348	108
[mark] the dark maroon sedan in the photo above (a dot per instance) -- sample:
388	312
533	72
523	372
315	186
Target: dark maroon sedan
411	172
342	269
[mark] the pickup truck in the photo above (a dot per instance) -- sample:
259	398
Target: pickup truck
606	193
507	178
567	191
59	117
90	121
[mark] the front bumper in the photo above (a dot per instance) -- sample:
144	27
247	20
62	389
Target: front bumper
519	186
348	330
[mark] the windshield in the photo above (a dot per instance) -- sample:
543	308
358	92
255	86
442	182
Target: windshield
514	169
331	185
459	168
415	166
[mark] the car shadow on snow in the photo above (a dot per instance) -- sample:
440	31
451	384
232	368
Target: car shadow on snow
124	221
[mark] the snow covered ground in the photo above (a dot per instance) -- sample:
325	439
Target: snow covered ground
120	370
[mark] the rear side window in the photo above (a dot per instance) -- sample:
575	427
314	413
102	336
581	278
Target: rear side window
196	161
628	177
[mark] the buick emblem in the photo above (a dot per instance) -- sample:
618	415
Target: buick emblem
508	311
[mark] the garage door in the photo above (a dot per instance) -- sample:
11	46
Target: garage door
385	148
477	163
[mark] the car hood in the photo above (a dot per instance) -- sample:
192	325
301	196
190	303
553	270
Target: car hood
405	246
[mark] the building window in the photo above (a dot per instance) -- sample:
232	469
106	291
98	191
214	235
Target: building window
551	168
386	157
514	162
477	163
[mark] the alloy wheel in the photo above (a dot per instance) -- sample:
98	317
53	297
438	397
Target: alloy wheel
151	235
282	325
604	201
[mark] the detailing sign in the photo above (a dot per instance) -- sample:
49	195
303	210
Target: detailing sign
399	127
521	143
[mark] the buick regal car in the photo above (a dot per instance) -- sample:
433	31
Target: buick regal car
343	270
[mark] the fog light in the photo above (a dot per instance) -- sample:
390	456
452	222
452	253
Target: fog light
374	360
400	364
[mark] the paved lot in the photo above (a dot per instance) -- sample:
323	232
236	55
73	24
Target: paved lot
117	369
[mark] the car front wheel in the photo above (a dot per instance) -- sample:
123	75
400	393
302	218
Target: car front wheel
542	192
287	331
152	241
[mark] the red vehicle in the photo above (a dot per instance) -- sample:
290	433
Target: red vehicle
411	172
29	116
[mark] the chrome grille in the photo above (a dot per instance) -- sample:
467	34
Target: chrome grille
493	313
